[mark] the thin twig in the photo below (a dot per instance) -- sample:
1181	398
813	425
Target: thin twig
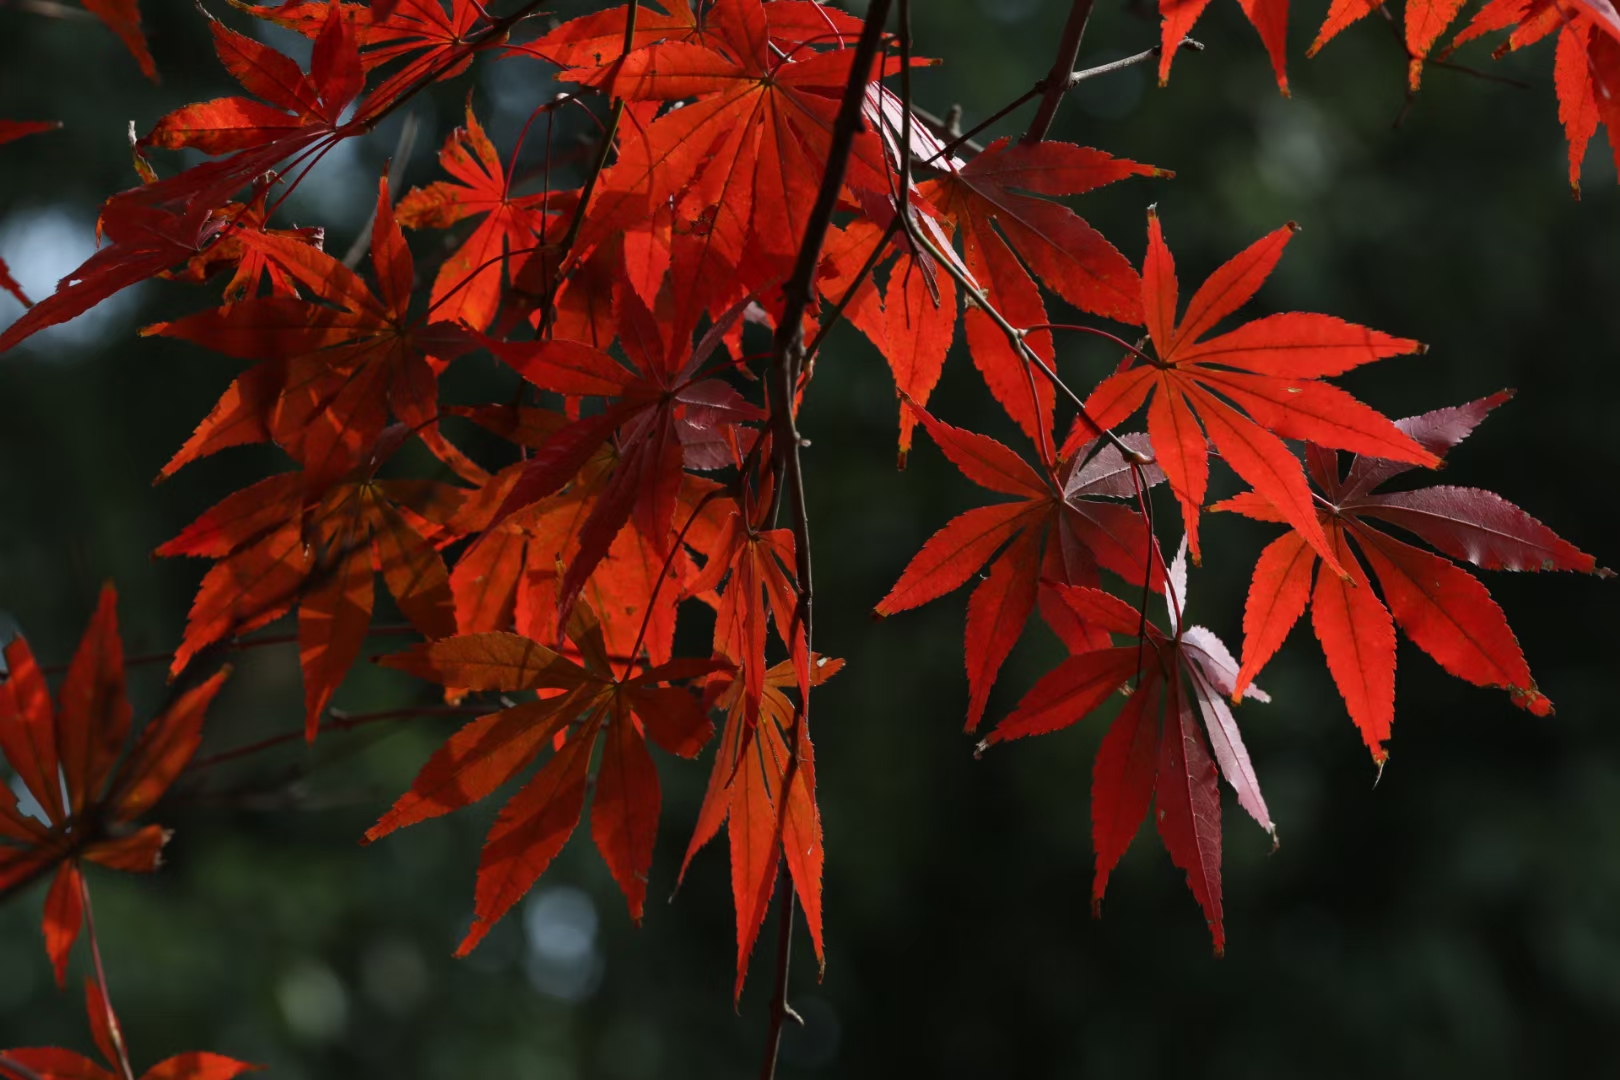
949	126
965	138
396	166
1128	61
1057	81
49	9
141	659
787	358
960	139
337	721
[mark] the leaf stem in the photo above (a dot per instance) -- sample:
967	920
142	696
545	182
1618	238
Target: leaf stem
1095	332
101	979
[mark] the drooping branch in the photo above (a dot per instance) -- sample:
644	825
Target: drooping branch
786	361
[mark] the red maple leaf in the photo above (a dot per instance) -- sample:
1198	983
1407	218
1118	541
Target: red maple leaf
911	317
123	18
302	110
287	540
149	230
1064	526
250	267
757	565
745	794
742	159
667	413
333	366
68	757
509	575
1269	17
9	130
169	222
1445	612
581	702
1146	758
435	40
468	286
999	225
1586	65
597	40
1271	368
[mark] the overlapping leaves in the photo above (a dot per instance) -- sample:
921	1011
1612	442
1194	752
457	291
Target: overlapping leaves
636	470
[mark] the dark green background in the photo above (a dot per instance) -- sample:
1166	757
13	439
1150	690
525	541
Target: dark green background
1461	919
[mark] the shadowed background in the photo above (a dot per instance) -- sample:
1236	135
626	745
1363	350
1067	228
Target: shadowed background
1460	919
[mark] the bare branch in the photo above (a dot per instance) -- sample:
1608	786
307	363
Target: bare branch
1057	81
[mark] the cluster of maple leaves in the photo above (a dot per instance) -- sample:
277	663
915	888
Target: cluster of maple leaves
646	465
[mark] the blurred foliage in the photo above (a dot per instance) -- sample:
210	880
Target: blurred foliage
1460	919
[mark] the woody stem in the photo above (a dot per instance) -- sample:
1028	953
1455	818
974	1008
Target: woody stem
1056	83
787	356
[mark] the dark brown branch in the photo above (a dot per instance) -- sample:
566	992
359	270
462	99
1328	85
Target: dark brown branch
1057	81
786	361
